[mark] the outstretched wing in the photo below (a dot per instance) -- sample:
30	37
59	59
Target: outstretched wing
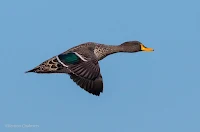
85	72
92	86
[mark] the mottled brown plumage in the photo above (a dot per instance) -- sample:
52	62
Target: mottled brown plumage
81	63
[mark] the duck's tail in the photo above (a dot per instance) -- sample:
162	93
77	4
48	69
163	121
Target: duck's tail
48	66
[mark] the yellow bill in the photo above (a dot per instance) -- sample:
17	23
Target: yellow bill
143	48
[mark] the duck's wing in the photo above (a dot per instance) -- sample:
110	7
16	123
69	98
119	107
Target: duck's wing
92	86
84	71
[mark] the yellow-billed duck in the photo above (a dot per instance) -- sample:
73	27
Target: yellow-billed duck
81	63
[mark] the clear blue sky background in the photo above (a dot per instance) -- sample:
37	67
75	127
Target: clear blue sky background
143	92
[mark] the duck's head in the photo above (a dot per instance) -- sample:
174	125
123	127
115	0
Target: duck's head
135	46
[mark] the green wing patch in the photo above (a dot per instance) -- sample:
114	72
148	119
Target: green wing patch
69	58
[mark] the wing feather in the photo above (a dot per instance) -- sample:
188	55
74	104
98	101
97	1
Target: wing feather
85	73
94	87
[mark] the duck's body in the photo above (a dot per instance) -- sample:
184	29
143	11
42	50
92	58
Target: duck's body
81	63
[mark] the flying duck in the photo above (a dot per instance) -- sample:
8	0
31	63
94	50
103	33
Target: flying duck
81	63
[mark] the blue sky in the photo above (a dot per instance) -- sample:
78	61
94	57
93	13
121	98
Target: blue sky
154	92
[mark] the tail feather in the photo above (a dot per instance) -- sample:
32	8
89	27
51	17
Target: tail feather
49	66
32	70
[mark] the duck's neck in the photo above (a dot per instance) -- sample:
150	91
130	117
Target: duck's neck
104	50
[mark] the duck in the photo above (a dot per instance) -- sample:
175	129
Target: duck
81	63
